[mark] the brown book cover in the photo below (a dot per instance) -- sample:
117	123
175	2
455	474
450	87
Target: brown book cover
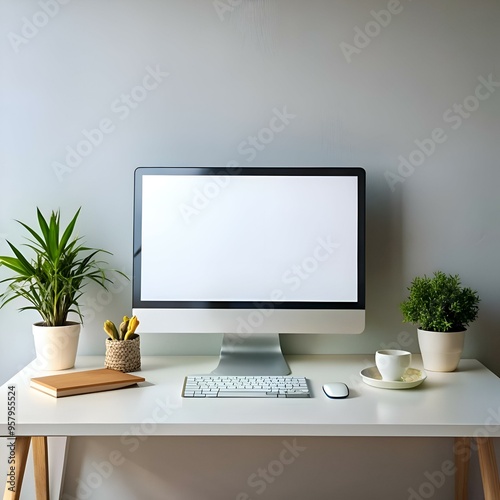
69	384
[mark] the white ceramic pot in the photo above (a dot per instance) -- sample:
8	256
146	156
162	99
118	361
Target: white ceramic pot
56	346
441	351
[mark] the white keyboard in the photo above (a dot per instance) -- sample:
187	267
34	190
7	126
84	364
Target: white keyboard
242	386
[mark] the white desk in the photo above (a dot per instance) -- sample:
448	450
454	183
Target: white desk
463	404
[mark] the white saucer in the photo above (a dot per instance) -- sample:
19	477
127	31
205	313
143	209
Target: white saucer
411	378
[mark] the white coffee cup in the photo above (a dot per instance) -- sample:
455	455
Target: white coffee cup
392	363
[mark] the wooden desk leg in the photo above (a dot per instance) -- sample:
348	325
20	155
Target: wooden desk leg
489	471
13	491
41	466
462	459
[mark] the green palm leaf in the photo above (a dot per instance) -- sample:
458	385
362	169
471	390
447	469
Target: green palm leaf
68	232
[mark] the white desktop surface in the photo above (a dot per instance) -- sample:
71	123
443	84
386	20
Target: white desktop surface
462	403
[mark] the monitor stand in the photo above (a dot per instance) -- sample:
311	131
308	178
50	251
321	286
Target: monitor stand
253	355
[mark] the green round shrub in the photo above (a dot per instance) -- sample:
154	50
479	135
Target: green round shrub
440	304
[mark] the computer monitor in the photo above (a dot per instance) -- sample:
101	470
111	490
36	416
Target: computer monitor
251	253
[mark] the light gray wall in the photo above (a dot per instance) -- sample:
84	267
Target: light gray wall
222	69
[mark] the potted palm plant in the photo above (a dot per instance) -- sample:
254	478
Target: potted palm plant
51	281
443	309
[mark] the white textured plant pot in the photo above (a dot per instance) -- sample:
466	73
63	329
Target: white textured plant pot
56	346
441	351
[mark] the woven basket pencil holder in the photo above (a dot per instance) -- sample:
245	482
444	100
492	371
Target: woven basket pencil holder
123	355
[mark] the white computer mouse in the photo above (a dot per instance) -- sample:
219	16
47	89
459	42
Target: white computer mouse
336	390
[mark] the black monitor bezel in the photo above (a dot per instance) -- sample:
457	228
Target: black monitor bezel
357	172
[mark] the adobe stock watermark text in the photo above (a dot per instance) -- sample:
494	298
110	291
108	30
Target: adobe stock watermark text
453	117
121	107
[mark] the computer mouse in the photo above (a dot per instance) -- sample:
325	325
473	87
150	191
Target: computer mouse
336	390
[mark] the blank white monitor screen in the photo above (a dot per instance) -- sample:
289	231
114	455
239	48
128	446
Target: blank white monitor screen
258	235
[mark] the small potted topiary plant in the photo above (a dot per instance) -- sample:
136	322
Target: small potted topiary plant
442	309
51	281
